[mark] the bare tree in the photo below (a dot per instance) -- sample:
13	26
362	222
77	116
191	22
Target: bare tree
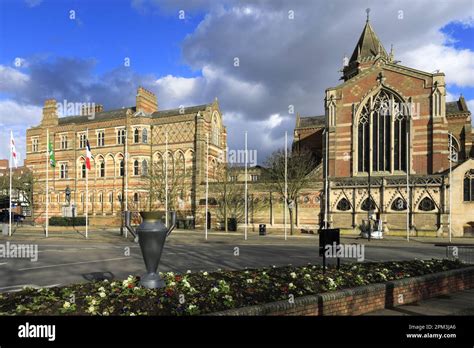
155	185
300	164
230	196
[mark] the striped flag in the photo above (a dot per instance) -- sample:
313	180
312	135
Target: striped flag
88	155
13	150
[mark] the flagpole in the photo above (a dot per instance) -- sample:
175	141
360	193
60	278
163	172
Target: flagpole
47	178
87	190
246	186
286	181
450	182
166	179
408	188
207	181
326	170
10	196
126	175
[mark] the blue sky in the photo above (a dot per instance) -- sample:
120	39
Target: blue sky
190	61
105	31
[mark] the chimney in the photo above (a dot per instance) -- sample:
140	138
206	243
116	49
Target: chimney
50	116
146	101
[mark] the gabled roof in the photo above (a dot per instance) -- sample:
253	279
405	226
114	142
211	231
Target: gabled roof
456	107
311	121
368	46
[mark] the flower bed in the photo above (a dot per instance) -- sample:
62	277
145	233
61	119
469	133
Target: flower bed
203	292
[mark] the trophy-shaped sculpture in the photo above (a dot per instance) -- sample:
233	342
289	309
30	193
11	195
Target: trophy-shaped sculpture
152	234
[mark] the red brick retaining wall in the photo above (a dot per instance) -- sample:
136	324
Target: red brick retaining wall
364	299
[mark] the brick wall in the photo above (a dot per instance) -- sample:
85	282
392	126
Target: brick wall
364	299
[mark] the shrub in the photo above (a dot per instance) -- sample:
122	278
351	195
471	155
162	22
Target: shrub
67	221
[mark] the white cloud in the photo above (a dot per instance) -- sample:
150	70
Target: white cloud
12	79
17	118
458	65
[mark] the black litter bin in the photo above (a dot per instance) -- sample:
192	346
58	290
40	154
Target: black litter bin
232	224
262	229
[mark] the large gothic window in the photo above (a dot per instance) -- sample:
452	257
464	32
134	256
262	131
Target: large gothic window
379	115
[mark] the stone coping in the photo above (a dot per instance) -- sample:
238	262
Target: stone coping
317	300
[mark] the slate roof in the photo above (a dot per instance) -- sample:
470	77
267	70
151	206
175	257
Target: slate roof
121	113
175	112
312	121
100	116
368	45
456	107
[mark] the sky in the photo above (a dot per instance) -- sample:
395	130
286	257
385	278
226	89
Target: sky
185	51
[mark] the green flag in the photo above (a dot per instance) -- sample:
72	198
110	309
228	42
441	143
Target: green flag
52	161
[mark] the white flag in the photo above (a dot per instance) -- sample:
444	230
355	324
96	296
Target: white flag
13	150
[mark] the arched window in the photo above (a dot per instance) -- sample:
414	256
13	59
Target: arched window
144	136
101	197
343	205
144	168
374	134
83	170
469	186
135	167
426	204
454	148
136	135
135	197
122	167
111	197
215	130
102	169
399	204
368	205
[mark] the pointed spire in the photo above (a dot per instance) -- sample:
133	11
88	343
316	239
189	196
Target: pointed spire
369	45
367	10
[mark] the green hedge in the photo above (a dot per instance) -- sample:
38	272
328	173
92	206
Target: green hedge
67	221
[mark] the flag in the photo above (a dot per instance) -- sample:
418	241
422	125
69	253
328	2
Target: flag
88	155
52	161
13	150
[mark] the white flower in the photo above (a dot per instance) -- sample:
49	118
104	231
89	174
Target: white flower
214	289
293	275
191	307
307	276
93	302
102	294
205	274
91	309
264	273
228	298
249	281
172	284
291	286
246	272
132	314
186	283
66	305
102	289
105	313
188	271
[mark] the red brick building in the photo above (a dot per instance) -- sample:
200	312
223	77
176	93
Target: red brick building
385	121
